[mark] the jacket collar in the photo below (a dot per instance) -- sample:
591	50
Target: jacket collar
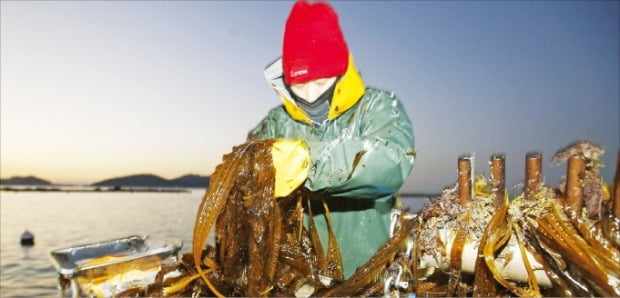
347	92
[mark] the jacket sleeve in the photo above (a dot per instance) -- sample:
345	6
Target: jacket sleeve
373	164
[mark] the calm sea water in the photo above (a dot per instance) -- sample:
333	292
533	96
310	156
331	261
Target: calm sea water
65	219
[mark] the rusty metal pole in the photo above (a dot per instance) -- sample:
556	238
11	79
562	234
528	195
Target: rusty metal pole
464	168
498	178
533	174
616	189
574	187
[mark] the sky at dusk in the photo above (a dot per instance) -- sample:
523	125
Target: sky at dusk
97	89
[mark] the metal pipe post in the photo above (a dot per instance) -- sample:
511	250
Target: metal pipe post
498	179
574	186
616	189
533	174
465	187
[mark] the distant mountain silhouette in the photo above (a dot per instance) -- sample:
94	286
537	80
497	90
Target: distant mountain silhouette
191	181
29	180
149	180
134	180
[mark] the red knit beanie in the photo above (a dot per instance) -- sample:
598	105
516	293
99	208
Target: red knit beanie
313	46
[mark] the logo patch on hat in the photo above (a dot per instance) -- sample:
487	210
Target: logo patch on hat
299	72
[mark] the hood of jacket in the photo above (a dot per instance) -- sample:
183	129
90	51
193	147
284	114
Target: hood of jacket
347	92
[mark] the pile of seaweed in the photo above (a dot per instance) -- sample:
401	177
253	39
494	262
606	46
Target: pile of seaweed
562	241
473	240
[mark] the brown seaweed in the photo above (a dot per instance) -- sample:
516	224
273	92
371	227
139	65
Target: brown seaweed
263	248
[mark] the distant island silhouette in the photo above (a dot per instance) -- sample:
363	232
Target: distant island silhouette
132	181
150	180
28	180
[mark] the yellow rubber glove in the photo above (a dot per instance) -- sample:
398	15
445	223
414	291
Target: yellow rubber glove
291	160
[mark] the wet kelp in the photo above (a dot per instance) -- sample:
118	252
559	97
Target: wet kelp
243	230
545	241
259	243
472	241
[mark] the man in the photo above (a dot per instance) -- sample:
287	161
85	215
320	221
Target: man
358	140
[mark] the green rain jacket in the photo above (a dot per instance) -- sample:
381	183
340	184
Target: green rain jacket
360	158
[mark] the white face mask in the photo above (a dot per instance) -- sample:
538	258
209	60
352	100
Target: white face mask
311	90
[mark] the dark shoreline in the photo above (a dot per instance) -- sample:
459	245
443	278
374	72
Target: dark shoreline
93	189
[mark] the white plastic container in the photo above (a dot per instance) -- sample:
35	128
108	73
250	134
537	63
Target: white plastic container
107	268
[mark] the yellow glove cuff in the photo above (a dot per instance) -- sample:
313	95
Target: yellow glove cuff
291	160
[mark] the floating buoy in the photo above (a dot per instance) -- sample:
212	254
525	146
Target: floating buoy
27	238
